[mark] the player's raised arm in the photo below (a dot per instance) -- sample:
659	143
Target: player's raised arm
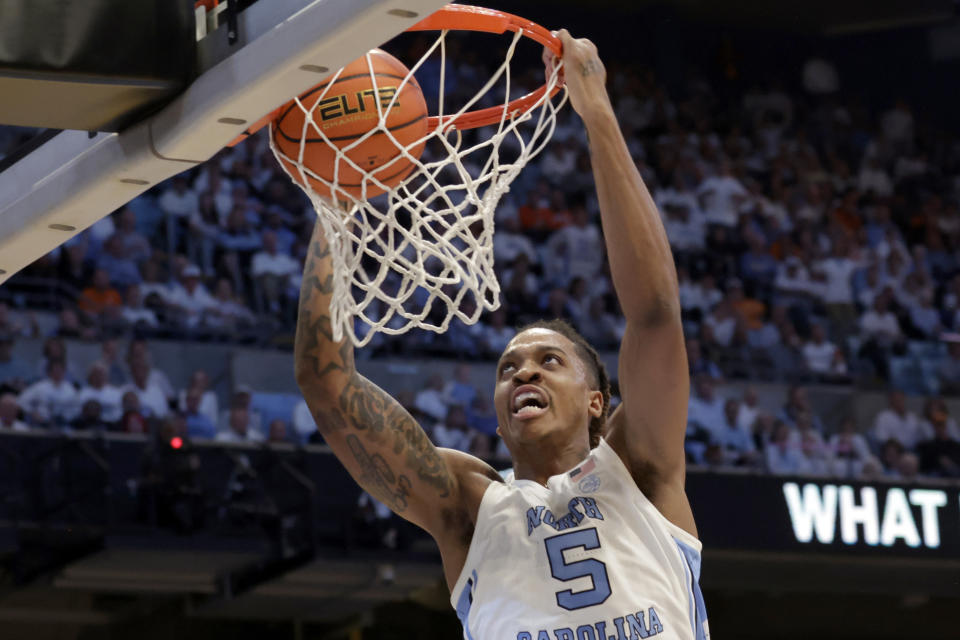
648	429
379	443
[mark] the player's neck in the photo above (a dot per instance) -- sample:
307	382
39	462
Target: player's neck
545	459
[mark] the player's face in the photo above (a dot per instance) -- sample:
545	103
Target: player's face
543	389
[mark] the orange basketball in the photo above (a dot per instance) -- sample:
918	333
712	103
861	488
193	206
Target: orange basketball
345	110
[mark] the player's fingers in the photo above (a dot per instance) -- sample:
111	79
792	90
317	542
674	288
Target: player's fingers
566	40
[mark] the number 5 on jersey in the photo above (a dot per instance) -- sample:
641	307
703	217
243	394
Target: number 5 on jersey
565	571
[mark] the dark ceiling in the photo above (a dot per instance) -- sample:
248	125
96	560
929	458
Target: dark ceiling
813	16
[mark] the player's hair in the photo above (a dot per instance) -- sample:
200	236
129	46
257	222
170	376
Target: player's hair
587	354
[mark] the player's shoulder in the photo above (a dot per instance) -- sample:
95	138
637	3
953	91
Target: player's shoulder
454	526
471	474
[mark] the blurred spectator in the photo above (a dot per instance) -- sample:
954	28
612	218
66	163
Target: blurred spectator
705	409
97	298
238	240
75	266
749	310
277	432
154	289
133	420
203	231
138	351
685	228
736	445
818	455
242	398
238	428
821	356
896	422
460	391
576	250
948	370
849	450
782	455
454	432
430	399
178	202
798	406
722	322
55	348
509	242
599	327
925	318
228	312
135	245
14	372
940	455
116	374
10	414
190	297
837	295
199	424
749	410
481	416
270	269
538	216
792	284
721	196
134	313
908	466
303	423
90	417
881	332
151	397
698	363
98	388
757	267
70	326
17	326
122	269
209	405
891	452
49	401
496	333
700	296
519	284
935	411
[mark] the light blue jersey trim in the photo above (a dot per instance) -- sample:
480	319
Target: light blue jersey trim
698	610
465	602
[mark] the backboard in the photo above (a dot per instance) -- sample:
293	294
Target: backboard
277	49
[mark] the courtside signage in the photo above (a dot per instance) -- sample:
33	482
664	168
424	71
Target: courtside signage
822	514
826	515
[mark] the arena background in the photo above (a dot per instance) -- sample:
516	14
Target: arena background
110	533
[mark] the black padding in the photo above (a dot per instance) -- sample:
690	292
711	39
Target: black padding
95	65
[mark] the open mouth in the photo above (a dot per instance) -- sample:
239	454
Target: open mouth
528	402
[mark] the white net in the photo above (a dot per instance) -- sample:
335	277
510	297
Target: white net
422	253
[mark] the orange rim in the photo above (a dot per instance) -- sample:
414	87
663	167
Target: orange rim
463	17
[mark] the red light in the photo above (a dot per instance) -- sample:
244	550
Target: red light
176	442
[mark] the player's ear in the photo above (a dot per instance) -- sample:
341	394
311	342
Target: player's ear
498	431
595	406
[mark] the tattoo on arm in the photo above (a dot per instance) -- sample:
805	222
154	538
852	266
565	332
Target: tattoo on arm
392	457
377	476
590	67
370	409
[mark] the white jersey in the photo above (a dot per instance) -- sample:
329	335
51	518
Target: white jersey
588	557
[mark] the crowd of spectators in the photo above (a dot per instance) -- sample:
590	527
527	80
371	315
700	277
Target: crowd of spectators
815	241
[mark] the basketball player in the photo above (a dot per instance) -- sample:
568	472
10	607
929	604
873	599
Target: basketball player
594	538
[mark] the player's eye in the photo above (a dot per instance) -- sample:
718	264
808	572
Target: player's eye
505	367
547	358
